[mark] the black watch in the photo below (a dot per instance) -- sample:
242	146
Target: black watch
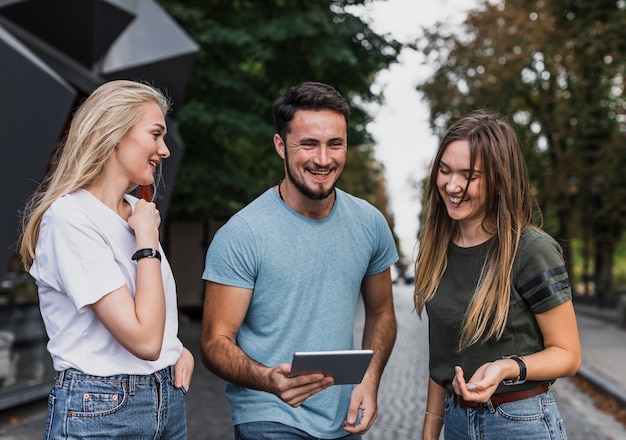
147	253
522	371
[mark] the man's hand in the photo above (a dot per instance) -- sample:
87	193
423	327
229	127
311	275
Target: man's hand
295	390
363	399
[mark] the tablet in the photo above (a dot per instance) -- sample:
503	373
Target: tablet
345	366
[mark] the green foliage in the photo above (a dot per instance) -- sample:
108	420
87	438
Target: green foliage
619	269
556	69
582	269
251	51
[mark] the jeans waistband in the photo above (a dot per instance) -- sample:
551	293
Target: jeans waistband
132	379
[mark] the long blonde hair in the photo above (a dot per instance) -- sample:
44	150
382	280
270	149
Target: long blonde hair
96	128
508	210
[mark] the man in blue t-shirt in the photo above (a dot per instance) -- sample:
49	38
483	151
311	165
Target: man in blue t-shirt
285	274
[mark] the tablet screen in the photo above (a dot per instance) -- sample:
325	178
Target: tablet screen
345	366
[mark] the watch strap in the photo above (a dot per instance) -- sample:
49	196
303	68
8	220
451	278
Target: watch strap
146	253
522	371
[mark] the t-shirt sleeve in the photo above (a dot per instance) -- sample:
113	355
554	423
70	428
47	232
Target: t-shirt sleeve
543	281
231	256
386	252
75	258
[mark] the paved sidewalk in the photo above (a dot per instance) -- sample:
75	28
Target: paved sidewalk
603	349
402	396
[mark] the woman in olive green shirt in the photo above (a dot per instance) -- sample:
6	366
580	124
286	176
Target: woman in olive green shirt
501	322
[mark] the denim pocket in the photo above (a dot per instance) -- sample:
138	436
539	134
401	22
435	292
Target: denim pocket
522	410
98	397
101	402
533	418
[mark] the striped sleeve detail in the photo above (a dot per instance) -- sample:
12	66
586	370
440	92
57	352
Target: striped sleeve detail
533	295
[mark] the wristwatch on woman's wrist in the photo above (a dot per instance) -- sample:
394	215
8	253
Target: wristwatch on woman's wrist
146	253
522	371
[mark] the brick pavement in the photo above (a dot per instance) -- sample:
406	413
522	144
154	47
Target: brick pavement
604	350
402	395
403	388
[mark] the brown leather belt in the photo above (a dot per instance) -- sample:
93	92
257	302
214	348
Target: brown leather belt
499	399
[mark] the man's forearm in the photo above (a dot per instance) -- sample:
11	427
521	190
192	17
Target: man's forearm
225	359
379	335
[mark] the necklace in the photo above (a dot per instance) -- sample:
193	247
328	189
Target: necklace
280	194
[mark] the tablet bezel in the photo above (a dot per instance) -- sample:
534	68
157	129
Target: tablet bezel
347	367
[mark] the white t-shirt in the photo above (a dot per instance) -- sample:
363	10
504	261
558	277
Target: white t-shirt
84	252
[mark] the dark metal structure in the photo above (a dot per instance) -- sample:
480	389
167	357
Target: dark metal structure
53	53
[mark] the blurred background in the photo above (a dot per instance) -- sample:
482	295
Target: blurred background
408	67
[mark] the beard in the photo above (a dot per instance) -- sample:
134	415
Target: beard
315	193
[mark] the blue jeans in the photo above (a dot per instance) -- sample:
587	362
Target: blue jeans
276	431
82	406
535	418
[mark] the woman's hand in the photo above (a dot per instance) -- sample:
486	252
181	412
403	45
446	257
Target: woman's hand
183	369
483	383
145	221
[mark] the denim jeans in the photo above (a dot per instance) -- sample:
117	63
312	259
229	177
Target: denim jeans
136	407
276	431
535	418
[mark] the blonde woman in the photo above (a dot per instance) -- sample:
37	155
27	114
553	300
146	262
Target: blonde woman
501	323
106	291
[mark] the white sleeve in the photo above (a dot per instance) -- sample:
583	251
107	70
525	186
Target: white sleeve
73	257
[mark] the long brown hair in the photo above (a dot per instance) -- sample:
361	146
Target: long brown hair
508	210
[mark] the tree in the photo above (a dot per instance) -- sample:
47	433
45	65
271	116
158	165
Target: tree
556	69
251	51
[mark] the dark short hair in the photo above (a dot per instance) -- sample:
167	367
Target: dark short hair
307	96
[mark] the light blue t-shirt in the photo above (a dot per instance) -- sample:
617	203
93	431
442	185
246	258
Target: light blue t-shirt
306	277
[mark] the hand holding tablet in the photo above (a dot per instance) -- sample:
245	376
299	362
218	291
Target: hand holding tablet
345	366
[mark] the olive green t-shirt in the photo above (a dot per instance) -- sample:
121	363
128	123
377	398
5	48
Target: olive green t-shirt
539	283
